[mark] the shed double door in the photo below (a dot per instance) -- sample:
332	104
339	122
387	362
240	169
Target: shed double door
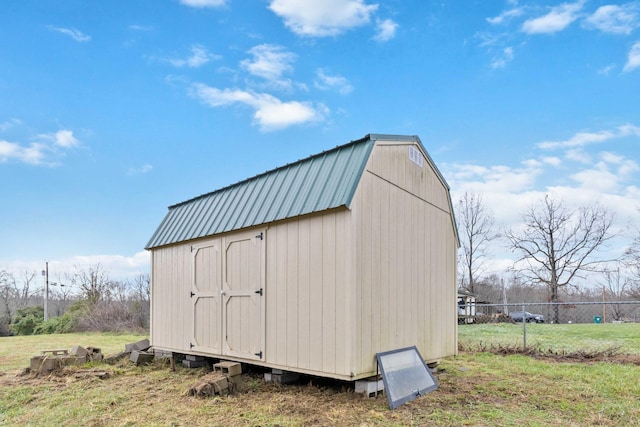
228	296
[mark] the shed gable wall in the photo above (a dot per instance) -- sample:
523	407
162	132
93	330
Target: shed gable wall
406	259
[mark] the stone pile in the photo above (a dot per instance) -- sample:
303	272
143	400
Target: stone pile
226	378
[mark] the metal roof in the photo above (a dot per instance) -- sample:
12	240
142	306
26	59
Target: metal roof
323	181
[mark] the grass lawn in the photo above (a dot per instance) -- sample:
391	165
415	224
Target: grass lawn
557	337
476	389
15	352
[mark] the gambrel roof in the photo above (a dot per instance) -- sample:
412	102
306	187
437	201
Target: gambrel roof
317	183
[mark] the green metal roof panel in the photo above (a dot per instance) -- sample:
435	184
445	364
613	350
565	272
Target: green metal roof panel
324	181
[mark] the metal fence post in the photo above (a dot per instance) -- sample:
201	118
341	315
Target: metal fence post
524	328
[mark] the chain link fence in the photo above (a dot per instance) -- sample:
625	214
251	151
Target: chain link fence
564	326
561	312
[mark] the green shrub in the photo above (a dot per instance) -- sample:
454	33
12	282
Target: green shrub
65	323
57	325
27	320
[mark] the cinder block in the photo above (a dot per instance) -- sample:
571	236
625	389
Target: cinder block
141	358
193	358
94	350
238	384
95	353
220	385
284	378
229	368
369	387
55	352
79	351
141	345
45	363
194	363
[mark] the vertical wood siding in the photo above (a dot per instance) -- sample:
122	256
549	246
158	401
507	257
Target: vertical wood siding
405	258
171	305
308	324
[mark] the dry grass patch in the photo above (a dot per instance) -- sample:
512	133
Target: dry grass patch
477	389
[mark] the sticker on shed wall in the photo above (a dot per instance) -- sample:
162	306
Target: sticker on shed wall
416	156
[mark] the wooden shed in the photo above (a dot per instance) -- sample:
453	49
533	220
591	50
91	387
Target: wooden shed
315	266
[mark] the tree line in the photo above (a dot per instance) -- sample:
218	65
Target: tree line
558	250
84	300
561	253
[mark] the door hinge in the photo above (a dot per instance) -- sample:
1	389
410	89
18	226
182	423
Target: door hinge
259	354
260	236
191	345
258	292
191	248
192	294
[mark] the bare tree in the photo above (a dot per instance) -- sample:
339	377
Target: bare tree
142	287
13	296
632	262
61	295
93	282
615	288
558	245
24	294
475	223
7	294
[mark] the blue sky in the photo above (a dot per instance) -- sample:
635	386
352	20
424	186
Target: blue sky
112	111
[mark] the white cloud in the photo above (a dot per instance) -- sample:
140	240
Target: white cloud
9	124
199	56
146	168
118	267
505	57
203	3
489	39
136	27
508	192
578	155
553	161
633	60
617	19
600	179
40	152
62	138
559	18
386	30
322	18
606	70
581	139
608	175
497	178
611	158
65	139
506	16
270	112
73	33
33	153
269	61
337	83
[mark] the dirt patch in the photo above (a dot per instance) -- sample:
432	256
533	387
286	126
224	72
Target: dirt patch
609	354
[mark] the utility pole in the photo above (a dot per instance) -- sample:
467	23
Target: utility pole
45	273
